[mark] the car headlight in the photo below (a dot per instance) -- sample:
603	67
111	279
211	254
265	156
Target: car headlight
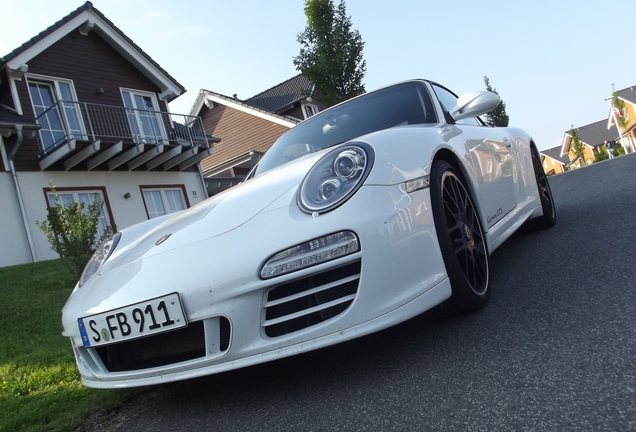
99	258
335	177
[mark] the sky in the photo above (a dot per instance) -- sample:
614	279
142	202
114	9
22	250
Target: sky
553	62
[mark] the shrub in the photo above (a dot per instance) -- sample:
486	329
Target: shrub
71	230
618	149
601	155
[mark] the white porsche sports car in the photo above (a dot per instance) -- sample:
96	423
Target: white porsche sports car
361	217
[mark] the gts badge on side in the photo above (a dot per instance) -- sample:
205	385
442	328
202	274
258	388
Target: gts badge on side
495	216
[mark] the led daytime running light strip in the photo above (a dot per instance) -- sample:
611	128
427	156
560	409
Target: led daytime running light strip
311	253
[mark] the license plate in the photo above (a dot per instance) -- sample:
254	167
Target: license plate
134	321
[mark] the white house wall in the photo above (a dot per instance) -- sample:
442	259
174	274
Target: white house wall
126	211
14	247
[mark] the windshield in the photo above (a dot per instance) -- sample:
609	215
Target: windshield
399	105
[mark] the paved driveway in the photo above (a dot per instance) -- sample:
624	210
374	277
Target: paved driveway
555	349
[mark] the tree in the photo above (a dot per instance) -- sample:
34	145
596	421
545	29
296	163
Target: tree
577	146
331	52
618	149
498	116
618	106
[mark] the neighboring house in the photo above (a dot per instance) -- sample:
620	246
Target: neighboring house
593	136
247	128
627	133
553	162
291	98
85	109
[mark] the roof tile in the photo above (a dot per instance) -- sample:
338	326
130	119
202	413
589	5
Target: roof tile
629	94
282	95
595	134
555	153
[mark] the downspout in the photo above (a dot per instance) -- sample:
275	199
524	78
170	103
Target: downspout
202	179
25	221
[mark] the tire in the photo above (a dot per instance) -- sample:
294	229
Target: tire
461	240
545	195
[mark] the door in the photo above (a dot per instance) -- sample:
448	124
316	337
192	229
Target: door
56	111
492	156
144	117
47	114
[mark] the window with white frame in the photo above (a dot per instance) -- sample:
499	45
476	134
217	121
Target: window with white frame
309	110
87	197
144	116
162	201
56	109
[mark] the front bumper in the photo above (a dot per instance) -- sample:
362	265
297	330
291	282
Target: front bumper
397	274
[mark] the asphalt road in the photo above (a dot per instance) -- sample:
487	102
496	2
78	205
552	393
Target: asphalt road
555	349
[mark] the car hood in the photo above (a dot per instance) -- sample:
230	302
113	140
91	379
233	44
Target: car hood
233	208
179	246
214	216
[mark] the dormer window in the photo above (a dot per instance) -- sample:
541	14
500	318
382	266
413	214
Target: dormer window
309	110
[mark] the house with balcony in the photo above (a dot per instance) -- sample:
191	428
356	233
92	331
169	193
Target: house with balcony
247	128
84	110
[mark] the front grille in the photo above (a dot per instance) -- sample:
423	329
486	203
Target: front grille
163	349
311	300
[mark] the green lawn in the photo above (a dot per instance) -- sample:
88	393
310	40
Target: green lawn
40	389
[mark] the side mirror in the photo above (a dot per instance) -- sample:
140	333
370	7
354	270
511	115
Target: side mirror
474	104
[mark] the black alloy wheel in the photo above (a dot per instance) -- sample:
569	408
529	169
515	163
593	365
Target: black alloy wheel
461	240
545	195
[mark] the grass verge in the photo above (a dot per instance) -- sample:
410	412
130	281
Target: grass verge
40	388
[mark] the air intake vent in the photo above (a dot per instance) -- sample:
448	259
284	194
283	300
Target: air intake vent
311	300
163	349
